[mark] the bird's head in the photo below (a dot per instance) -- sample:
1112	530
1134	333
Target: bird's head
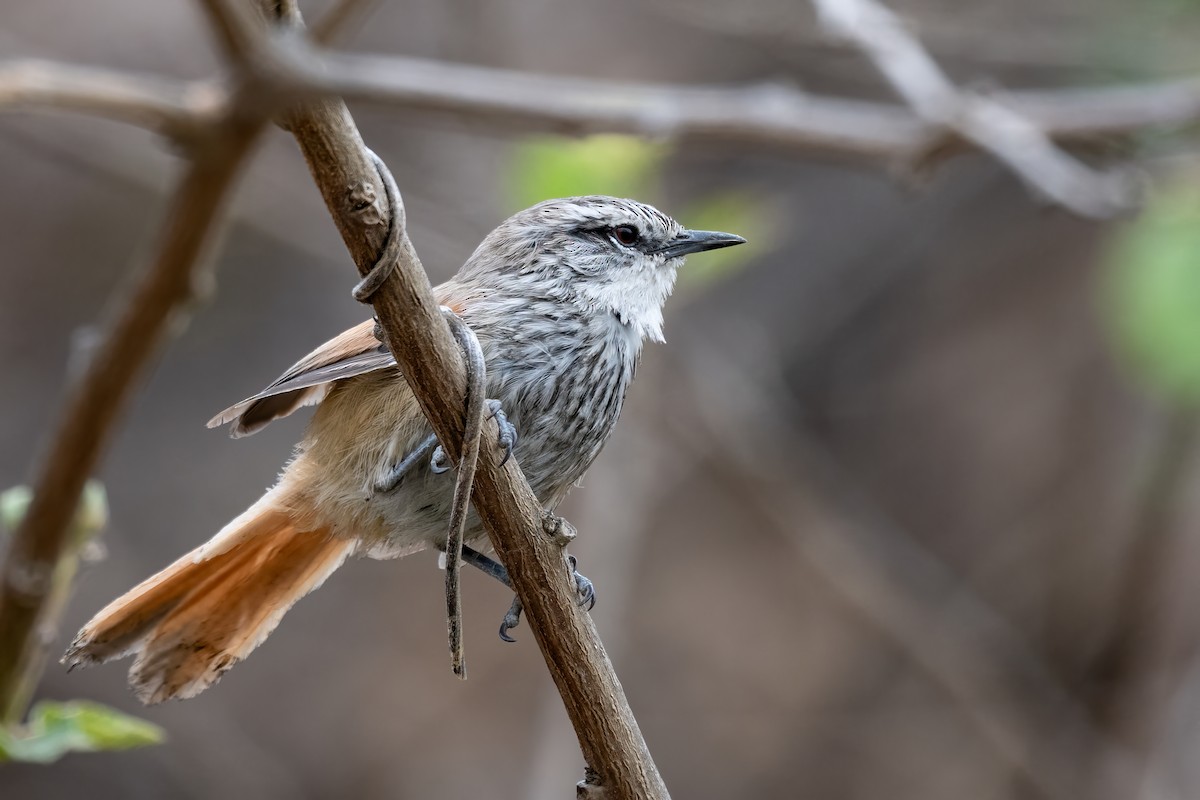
608	254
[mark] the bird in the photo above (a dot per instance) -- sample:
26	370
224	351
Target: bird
561	296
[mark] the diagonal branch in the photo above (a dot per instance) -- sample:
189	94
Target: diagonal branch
338	19
95	403
993	126
429	358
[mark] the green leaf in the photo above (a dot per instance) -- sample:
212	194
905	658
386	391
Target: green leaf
1153	293
549	167
55	729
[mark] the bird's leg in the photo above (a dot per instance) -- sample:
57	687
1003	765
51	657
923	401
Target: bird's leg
492	567
486	564
401	470
585	590
439	462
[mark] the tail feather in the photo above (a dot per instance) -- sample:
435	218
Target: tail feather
194	620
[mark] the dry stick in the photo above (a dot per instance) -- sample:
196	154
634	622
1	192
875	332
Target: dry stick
428	356
774	115
80	547
180	110
994	127
338	19
96	401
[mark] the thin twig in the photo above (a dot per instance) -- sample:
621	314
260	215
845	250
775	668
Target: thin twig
179	110
93	406
80	547
465	481
235	29
995	127
338	19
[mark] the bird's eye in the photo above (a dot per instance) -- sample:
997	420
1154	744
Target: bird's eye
626	235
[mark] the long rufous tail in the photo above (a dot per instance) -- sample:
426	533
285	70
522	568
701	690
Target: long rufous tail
201	615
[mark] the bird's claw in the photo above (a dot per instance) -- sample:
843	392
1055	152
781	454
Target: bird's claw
439	462
585	590
585	595
508	431
511	620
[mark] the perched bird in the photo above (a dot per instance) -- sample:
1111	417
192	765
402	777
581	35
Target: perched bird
561	296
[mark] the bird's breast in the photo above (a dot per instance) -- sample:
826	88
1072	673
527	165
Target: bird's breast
562	385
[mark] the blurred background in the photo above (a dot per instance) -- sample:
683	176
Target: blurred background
904	508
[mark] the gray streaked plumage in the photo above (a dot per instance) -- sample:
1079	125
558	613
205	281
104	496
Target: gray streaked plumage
561	296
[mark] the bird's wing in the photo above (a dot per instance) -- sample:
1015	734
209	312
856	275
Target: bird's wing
306	383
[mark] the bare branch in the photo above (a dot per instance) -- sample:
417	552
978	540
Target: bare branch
176	109
993	126
771	115
766	114
1081	114
338	19
234	28
96	401
1017	130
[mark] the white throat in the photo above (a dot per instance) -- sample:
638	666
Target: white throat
635	299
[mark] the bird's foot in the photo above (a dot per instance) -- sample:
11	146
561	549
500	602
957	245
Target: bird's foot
508	431
585	590
585	596
511	620
439	462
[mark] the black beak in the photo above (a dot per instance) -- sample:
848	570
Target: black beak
698	242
